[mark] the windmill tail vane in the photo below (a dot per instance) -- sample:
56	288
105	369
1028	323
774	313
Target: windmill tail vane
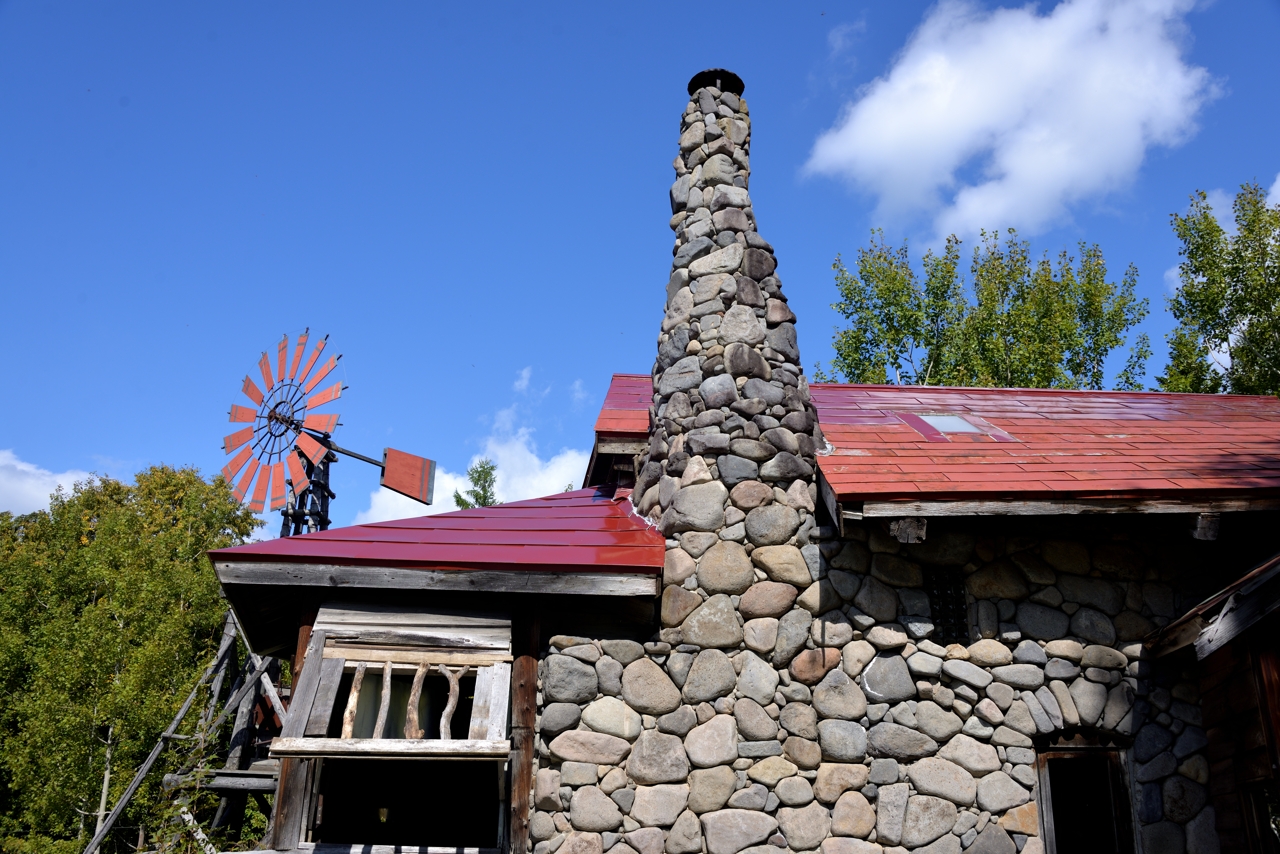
282	456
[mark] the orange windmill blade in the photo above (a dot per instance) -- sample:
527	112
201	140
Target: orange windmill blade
275	451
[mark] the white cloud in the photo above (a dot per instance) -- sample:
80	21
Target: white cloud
522	380
1273	195
25	487
521	474
1173	279
578	391
1009	117
1221	201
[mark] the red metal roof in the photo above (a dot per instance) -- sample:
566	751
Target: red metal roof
626	406
1032	443
588	530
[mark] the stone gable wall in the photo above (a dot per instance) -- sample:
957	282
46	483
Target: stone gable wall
793	697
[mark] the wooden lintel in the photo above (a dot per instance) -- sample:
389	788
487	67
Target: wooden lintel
1063	507
410	659
392	748
613	446
478	580
337	848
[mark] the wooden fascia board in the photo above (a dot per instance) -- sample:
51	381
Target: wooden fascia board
290	574
855	510
391	748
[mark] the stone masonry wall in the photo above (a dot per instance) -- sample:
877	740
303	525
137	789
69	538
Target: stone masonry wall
793	697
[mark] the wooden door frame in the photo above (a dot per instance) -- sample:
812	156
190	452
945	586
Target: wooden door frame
1120	759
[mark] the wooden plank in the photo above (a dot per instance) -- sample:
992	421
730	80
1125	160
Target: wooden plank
411	727
481	640
410	658
479	726
499	701
392	748
360	614
326	696
1052	507
616	447
304	689
496	581
289	805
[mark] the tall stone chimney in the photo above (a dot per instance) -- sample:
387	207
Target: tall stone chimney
729	474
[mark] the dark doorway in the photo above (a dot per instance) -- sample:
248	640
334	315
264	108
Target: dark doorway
1088	803
450	804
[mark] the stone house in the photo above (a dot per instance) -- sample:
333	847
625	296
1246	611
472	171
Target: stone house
842	618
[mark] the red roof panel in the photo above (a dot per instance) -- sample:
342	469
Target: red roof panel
1036	443
588	530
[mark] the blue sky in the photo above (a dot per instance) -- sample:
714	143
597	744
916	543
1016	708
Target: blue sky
472	200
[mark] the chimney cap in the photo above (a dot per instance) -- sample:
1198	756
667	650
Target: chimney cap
722	79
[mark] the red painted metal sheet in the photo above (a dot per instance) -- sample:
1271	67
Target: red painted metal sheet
237	462
584	531
264	365
1035	443
242	414
321	423
315	354
298	350
329	395
252	391
325	369
246	480
277	486
296	472
282	358
260	490
313	450
408	474
236	439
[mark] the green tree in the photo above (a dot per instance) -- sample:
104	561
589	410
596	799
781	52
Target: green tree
482	476
1228	300
1016	323
109	612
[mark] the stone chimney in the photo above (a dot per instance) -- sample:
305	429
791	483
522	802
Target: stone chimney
729	475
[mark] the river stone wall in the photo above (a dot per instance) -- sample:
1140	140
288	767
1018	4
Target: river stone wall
793	697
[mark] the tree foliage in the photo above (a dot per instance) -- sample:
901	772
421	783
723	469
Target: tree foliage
109	612
1228	300
482	475
1015	323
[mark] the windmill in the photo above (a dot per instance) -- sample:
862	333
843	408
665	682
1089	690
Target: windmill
282	456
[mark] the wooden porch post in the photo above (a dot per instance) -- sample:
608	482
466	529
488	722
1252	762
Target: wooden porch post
524	691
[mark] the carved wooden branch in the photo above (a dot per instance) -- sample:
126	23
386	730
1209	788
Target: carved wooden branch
384	703
446	717
411	727
353	699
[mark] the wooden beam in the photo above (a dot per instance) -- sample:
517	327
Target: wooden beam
409	658
336	848
479	580
326	696
1052	507
305	683
524	694
391	748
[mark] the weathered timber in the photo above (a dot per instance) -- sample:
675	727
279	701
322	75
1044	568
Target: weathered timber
305	683
479	724
494	581
1050	507
411	727
524	683
446	717
258	663
225	664
384	701
411	658
289	815
394	748
326	696
353	701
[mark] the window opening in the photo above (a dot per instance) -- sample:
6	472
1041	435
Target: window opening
947	604
1088	802
439	803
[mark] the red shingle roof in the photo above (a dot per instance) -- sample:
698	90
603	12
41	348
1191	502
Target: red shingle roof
588	530
1032	443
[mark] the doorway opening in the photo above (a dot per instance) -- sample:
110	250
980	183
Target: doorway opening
1085	802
